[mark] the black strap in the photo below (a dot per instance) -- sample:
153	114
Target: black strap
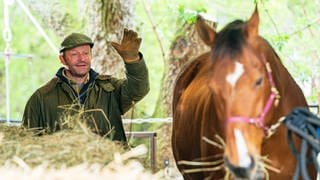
306	125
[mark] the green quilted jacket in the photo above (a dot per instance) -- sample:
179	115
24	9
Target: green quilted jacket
101	102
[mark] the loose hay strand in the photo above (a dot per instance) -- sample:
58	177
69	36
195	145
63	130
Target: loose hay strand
219	144
195	163
212	142
267	163
195	170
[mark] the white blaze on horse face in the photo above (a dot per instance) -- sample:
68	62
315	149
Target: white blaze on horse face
233	77
243	155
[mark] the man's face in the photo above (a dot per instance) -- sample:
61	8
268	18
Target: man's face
77	60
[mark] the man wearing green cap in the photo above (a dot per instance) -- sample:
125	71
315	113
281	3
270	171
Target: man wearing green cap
79	91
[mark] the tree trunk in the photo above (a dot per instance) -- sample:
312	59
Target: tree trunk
52	15
106	21
184	49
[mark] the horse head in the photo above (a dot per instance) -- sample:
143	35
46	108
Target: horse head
242	82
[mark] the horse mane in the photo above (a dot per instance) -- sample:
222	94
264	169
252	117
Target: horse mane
229	40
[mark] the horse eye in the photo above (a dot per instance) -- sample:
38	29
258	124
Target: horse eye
259	82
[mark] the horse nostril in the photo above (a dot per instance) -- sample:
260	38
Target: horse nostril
238	171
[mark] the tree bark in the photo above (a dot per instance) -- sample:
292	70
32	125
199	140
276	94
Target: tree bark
52	15
106	20
183	49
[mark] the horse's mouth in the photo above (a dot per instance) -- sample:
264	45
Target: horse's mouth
252	172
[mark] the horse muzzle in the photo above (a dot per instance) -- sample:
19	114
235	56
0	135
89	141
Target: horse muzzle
251	172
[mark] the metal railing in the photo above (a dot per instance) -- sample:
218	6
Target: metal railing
152	136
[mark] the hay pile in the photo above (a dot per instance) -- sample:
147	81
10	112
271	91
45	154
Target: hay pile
67	154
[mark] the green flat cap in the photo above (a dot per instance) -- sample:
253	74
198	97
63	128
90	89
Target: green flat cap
74	40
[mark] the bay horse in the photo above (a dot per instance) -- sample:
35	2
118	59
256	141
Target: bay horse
225	103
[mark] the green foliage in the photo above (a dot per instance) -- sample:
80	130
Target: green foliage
188	15
279	41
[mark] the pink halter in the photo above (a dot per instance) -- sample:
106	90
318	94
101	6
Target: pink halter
258	121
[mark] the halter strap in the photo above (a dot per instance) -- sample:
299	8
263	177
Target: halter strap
258	121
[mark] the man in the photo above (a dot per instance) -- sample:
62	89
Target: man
78	91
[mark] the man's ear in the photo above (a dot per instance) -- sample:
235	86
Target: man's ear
62	60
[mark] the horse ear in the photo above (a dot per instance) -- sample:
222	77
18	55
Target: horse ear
206	33
252	26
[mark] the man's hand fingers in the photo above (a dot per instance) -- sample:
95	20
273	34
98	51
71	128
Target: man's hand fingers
128	49
138	41
133	34
116	45
129	35
126	36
